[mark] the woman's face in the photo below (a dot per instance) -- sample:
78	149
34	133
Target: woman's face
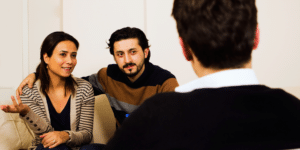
63	59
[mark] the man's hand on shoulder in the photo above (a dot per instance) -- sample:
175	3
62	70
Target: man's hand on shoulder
29	80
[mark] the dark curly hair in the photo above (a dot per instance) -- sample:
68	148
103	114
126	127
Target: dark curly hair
219	32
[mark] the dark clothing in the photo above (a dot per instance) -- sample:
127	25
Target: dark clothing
59	121
125	96
59	147
94	146
238	117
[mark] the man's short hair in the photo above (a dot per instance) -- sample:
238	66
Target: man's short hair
127	33
219	32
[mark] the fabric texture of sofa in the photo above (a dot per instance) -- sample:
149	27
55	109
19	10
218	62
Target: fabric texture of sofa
16	134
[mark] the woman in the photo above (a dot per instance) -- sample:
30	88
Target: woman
59	108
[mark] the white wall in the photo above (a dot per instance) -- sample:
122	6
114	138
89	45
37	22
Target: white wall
44	17
276	61
11	46
24	25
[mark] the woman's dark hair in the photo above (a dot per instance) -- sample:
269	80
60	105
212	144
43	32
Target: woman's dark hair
47	47
219	32
127	33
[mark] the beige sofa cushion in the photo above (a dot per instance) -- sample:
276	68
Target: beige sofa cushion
15	133
104	120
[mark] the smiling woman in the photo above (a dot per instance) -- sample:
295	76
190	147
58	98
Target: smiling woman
59	108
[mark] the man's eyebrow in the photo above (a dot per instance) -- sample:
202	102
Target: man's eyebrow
119	51
132	49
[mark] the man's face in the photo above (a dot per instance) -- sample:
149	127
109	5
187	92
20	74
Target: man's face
130	57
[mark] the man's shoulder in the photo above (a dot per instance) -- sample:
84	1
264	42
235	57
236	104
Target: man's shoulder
161	71
243	93
249	95
159	74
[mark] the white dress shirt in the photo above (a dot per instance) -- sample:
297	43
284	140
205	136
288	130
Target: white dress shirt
233	77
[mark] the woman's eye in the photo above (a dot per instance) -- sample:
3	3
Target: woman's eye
63	54
74	56
133	52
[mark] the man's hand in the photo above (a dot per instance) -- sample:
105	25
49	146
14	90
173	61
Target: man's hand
30	79
55	138
20	108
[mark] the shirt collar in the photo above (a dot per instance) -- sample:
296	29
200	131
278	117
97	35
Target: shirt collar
233	77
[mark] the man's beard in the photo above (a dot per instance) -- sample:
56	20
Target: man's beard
132	74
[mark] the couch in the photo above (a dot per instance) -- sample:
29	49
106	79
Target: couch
15	133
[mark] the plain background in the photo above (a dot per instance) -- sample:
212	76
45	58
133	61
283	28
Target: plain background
25	24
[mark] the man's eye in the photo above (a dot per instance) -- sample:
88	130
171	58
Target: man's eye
133	52
119	54
74	55
63	54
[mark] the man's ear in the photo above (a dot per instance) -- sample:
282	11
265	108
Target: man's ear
256	38
185	50
146	52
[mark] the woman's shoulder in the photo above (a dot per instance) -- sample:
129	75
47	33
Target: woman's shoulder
31	93
28	90
81	83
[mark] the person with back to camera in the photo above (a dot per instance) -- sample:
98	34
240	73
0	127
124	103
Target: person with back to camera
59	108
226	107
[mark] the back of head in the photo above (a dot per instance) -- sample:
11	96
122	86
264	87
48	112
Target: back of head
48	47
127	33
220	33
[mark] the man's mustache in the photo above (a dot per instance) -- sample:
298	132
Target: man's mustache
128	64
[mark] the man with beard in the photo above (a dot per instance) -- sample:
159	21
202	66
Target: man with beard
133	79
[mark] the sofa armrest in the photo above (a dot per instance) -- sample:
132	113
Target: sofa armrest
15	133
104	120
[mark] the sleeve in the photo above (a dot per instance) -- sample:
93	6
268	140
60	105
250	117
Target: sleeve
169	85
97	87
35	118
84	133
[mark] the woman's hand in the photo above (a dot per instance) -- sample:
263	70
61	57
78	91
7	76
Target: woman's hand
55	138
20	108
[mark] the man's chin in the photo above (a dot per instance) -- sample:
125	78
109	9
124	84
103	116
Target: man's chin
131	74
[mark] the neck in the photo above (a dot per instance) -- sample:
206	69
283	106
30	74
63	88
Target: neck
202	71
56	82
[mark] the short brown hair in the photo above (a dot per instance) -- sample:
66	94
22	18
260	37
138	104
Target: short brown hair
219	32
